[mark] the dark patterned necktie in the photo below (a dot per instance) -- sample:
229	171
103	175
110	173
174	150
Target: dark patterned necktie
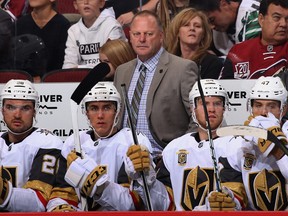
137	95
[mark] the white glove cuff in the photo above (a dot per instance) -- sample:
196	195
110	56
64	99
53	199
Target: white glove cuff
78	169
74	174
150	177
285	128
129	168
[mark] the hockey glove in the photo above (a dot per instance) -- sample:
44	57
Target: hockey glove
72	156
85	174
136	160
63	208
269	123
5	191
223	201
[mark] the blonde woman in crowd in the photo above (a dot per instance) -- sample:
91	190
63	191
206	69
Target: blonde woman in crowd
190	37
116	52
167	9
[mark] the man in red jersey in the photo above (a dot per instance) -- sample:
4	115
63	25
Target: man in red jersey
265	55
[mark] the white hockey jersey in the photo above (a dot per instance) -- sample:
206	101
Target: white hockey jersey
31	163
188	168
110	152
265	179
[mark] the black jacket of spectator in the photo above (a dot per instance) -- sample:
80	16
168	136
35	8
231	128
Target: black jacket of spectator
6	33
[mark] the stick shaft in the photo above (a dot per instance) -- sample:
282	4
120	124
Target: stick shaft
135	139
94	76
212	149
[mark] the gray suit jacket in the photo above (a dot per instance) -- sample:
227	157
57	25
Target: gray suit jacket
167	105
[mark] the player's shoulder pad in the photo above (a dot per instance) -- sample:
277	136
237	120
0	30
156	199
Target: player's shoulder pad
44	139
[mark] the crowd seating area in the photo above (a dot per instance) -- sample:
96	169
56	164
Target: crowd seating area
158	213
66	75
6	75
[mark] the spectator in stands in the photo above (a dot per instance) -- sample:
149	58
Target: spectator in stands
16	8
87	36
125	9
122	7
6	33
190	37
116	52
266	54
50	26
29	54
167	9
164	112
233	21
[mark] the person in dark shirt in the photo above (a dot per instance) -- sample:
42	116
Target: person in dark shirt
6	32
51	27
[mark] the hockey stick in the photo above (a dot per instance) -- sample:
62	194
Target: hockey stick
93	77
241	130
135	139
211	143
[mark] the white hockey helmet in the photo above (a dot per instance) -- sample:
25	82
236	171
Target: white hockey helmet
21	90
211	87
102	91
270	88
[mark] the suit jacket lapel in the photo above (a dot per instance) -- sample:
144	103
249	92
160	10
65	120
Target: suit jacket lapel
160	71
130	71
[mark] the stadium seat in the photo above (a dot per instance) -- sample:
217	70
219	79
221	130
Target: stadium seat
66	75
66	6
6	75
72	17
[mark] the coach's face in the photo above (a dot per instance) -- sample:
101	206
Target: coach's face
146	37
101	115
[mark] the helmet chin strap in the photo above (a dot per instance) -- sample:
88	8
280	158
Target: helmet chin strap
205	129
111	130
21	133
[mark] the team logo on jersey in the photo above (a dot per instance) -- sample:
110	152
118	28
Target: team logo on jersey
270	48
45	131
197	183
9	173
182	157
242	70
268	190
248	161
